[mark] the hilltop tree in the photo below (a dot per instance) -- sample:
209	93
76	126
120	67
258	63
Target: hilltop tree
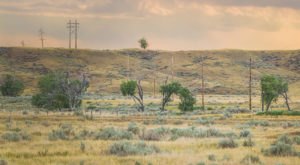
143	43
128	88
11	86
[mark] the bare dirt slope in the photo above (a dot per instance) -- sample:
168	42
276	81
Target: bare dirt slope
226	71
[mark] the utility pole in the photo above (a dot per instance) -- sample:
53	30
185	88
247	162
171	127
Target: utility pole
172	69
250	84
202	84
76	26
69	26
23	43
42	36
128	71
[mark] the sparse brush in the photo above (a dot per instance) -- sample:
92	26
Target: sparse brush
211	157
15	136
245	133
248	142
251	159
227	143
125	148
113	134
132	127
82	147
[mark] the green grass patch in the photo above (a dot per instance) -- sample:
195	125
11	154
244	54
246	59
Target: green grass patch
279	113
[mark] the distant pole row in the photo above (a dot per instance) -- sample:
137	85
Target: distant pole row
73	28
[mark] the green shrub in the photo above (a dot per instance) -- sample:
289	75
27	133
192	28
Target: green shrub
251	159
113	134
132	127
278	113
245	133
187	100
11	86
124	148
248	142
227	143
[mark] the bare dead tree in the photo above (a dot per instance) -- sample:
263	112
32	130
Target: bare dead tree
74	89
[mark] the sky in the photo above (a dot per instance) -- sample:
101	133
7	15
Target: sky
166	24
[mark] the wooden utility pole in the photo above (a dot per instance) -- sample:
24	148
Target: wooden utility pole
23	43
250	84
128	71
69	26
202	78
172	69
42	37
76	26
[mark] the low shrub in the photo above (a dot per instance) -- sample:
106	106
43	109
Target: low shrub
284	139
205	121
245	133
15	136
64	132
82	146
280	149
211	157
283	146
251	159
155	134
248	143
132	127
227	143
113	134
3	162
125	148
263	123
296	140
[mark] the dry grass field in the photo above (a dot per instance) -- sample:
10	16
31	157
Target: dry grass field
31	137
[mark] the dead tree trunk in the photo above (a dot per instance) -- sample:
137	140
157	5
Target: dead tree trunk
285	96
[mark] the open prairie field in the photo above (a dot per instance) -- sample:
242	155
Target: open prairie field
226	133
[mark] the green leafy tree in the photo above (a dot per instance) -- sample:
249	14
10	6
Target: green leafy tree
128	88
11	86
143	43
51	94
272	87
283	91
167	90
187	100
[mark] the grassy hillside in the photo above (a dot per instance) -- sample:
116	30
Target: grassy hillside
226	71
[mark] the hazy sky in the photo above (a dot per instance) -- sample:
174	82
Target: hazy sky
166	24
